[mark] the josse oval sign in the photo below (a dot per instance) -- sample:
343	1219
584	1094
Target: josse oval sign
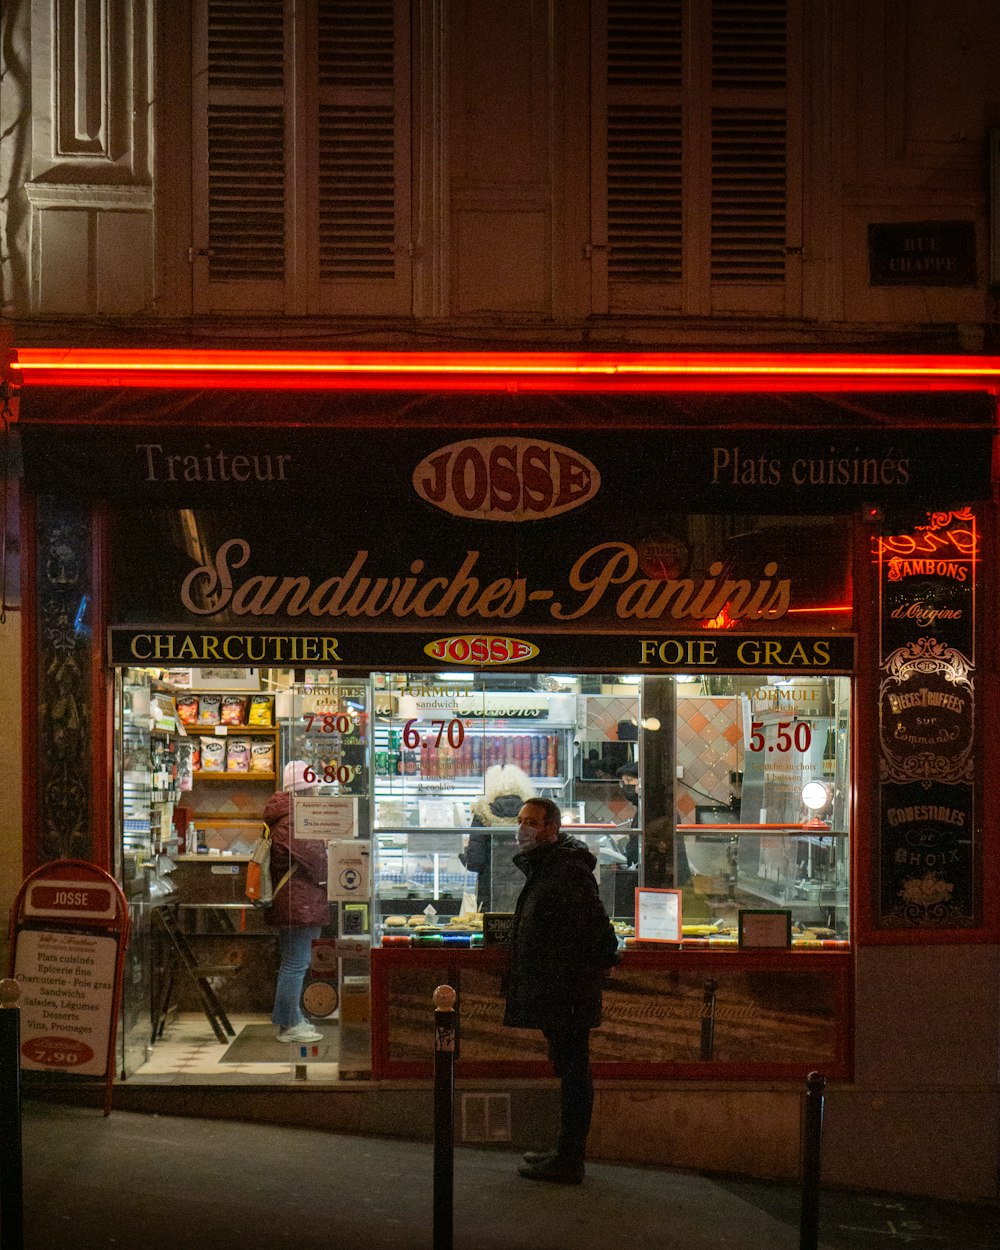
506	479
481	649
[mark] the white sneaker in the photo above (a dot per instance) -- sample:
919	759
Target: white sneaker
300	1033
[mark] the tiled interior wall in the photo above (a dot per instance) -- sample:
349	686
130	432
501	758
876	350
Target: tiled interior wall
599	717
708	750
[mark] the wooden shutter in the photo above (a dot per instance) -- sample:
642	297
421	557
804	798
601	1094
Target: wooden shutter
753	220
301	157
240	174
699	176
643	124
363	157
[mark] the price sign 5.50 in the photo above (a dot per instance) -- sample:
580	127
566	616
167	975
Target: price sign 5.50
789	736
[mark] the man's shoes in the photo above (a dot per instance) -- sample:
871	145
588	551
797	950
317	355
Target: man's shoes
553	1168
539	1156
300	1033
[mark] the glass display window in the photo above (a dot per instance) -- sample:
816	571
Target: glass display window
327	729
762	802
455	755
436	740
734	789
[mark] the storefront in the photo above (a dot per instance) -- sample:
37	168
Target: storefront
763	594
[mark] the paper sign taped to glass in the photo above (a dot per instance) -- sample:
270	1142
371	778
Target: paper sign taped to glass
325	817
348	864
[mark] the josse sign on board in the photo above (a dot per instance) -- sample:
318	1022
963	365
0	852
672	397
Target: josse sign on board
474	533
477	538
520	476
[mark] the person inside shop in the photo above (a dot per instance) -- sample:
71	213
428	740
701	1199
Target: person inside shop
491	855
628	783
561	945
299	909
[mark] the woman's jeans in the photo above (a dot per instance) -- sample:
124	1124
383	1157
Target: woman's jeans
295	947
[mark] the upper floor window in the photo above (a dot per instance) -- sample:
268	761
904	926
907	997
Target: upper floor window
698	111
304	152
301	156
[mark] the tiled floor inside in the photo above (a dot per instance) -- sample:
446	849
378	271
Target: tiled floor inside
188	1053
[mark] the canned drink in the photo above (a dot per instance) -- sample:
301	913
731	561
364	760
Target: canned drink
381	763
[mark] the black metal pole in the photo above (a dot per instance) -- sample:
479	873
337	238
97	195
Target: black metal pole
708	1019
11	1172
444	1116
812	1150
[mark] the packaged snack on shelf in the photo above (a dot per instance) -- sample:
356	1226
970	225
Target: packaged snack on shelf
209	709
187	708
234	709
238	755
262	757
261	710
213	755
188	758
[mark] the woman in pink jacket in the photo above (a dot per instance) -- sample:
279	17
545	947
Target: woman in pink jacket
300	908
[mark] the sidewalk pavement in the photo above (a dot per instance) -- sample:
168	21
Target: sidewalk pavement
153	1182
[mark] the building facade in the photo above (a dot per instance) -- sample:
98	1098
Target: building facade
678	317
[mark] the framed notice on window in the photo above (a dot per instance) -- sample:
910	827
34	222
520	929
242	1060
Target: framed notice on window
766	928
657	915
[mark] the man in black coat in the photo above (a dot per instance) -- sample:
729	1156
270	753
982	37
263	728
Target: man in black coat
561	943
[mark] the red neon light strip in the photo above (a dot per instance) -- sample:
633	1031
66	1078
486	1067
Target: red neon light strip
416	363
841	607
454	370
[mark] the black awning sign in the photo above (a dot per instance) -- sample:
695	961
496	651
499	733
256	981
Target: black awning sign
365	649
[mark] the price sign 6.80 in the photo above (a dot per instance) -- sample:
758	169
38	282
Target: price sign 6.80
789	736
330	771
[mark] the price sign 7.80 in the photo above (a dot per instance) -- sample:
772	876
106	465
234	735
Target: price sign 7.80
789	736
328	723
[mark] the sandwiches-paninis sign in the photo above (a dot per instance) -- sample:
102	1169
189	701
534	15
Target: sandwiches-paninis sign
486	534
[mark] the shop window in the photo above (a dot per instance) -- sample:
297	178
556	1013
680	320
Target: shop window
744	807
731	791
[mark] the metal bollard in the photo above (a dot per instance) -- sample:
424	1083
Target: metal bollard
11	1173
812	1149
444	1116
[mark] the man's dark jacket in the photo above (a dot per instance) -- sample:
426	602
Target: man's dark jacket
561	940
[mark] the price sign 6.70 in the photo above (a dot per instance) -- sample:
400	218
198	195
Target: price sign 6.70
453	729
789	736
